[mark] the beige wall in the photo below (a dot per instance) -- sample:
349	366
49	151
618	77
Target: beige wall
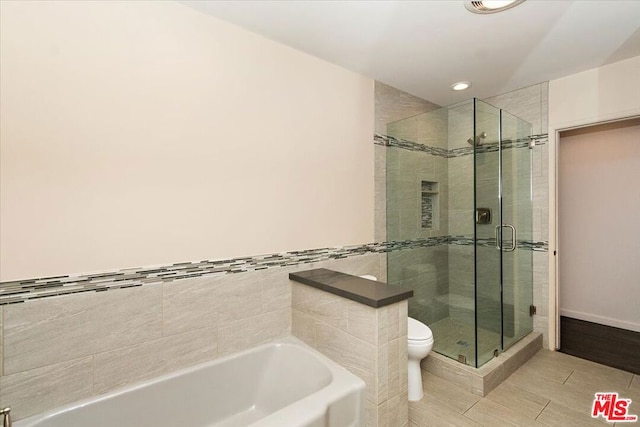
145	133
598	228
610	92
606	93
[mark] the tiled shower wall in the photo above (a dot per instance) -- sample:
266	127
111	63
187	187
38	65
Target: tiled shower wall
60	349
391	105
403	116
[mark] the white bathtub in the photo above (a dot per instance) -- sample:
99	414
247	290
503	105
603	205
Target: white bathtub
282	384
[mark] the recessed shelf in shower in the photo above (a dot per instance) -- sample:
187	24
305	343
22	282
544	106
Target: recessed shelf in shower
429	204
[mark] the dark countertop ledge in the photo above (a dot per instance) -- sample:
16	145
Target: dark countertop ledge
368	292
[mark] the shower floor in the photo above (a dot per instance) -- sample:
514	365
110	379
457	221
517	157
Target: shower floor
453	337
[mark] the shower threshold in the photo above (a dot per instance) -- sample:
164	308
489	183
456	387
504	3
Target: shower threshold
481	381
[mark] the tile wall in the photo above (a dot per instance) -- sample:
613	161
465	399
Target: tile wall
425	271
61	348
406	171
369	342
391	105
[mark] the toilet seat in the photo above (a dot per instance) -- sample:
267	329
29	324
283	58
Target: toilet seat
418	331
420	342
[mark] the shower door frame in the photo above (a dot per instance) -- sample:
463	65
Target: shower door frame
522	256
483	280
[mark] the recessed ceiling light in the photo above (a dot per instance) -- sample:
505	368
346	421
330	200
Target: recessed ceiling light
490	6
461	86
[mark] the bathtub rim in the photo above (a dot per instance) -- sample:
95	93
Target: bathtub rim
343	382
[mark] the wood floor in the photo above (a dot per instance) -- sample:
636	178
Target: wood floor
615	347
551	389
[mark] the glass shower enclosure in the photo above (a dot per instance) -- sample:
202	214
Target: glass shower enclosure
459	208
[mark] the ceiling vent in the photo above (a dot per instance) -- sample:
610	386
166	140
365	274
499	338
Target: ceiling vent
490	6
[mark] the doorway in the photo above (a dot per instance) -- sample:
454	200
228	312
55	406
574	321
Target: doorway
599	243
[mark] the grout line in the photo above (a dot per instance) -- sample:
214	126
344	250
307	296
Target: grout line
93	375
162	324
563	382
465	412
540	413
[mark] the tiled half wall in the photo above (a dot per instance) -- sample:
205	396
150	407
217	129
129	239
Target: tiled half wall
369	342
63	348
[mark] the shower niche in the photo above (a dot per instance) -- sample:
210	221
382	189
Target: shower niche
463	240
430	208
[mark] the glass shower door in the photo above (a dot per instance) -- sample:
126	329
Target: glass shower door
503	230
487	217
517	224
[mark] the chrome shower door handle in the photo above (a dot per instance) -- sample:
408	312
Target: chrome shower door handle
514	234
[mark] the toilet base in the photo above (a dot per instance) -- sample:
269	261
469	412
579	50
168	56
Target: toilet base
415	381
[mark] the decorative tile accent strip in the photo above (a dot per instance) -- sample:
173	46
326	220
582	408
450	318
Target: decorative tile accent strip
536	246
461	240
23	290
541	139
31	289
390	141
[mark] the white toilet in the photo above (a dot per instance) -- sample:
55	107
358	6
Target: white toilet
420	344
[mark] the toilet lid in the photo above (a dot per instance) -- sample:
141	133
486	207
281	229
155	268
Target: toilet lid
418	331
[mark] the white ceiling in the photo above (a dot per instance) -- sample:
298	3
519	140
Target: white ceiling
422	47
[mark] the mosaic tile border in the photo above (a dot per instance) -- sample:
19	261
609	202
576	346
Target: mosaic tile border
390	141
32	289
536	246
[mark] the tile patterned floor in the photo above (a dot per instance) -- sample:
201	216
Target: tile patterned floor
452	338
551	389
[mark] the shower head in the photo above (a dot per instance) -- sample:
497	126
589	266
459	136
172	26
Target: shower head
478	139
